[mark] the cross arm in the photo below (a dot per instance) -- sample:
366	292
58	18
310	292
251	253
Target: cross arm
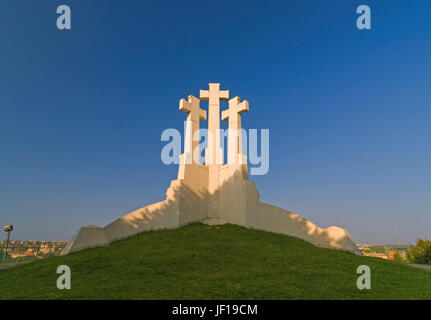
225	115
239	107
185	105
204	94
188	105
224	94
192	106
243	107
202	114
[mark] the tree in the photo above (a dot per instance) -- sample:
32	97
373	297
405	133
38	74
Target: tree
421	252
398	258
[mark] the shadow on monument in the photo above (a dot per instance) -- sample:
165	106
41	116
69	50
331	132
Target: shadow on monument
236	201
213	193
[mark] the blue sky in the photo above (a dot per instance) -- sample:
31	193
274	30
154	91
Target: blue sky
82	110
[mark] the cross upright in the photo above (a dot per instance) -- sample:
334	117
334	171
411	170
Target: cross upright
194	115
214	95
236	108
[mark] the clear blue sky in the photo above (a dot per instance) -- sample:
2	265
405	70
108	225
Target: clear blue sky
81	111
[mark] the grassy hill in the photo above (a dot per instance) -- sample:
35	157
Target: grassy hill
222	262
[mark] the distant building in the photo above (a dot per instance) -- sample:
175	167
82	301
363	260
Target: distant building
383	251
30	252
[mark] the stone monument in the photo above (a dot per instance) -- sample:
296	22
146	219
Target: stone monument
213	193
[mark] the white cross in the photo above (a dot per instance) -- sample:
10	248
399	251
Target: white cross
194	114
214	94
236	108
213	153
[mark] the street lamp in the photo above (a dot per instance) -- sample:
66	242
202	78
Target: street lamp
8	230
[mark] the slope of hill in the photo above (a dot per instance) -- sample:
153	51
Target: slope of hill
219	262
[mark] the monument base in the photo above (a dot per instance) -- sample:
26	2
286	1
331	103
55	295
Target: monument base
214	193
238	203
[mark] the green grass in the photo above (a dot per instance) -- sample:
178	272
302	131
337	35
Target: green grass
223	262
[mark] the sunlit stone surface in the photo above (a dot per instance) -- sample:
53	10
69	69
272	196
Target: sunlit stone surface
213	193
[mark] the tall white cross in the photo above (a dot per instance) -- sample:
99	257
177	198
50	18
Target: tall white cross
213	154
194	115
236	108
